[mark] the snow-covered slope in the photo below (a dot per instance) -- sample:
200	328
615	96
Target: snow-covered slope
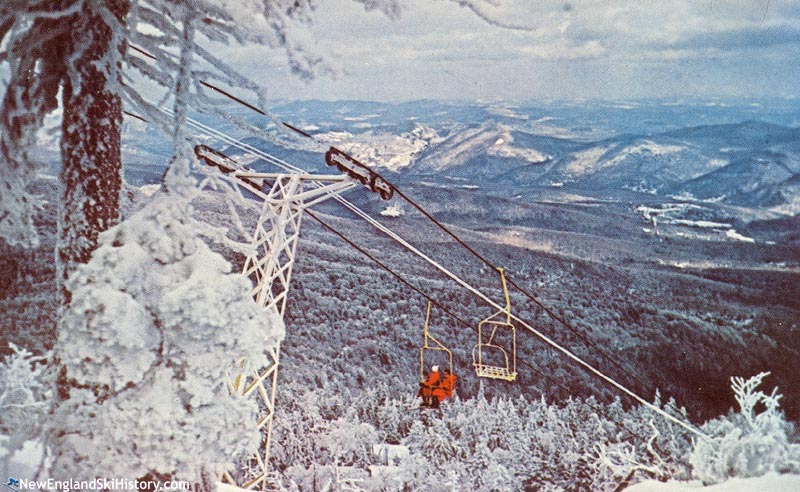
745	176
471	144
600	148
786	196
393	152
645	164
768	483
504	147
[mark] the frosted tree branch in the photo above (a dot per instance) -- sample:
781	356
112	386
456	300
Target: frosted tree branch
748	398
57	14
478	8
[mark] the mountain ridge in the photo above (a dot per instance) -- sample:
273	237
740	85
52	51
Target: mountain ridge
518	152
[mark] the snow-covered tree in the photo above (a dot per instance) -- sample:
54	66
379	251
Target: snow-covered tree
79	50
73	49
152	318
394	422
93	53
25	388
156	322
750	443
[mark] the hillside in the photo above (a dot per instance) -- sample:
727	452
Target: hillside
609	233
631	293
742	155
668	259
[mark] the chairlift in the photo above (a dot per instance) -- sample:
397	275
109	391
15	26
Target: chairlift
434	387
495	354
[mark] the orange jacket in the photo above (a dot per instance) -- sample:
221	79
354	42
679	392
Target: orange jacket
445	388
426	388
433	379
449	384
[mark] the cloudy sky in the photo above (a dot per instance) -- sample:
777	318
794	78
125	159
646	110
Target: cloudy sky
609	49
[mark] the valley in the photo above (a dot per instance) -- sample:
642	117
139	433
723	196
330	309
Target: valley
669	258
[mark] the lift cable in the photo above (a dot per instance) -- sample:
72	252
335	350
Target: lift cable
555	316
280	163
456	278
522	322
550	312
597	408
285	165
220	91
464	284
449	274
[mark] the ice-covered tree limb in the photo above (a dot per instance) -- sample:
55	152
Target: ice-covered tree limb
748	398
749	443
38	31
29	96
25	387
478	7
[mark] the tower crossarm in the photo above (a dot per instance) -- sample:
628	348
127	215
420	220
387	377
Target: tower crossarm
284	197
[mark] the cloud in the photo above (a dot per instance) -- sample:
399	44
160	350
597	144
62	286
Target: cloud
586	48
748	38
559	51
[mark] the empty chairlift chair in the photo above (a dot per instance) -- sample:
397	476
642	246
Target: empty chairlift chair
495	354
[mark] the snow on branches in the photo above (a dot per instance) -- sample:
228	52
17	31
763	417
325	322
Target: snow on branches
156	321
156	35
750	443
27	99
25	388
151	312
622	461
105	52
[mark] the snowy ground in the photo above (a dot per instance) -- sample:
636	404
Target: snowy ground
23	463
767	483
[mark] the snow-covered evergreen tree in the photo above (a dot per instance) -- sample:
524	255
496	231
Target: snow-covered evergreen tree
75	49
92	52
750	443
152	318
156	321
25	388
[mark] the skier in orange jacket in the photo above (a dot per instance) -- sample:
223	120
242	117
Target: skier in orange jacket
428	387
445	388
449	383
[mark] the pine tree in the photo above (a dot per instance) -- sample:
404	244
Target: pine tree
83	49
146	303
91	163
156	323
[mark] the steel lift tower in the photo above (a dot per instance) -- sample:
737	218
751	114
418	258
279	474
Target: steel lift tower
284	198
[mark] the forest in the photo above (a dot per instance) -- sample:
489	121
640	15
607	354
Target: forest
350	358
657	346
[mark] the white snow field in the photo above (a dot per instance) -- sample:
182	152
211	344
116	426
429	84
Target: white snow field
771	482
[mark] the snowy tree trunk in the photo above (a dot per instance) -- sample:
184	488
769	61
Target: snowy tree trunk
91	172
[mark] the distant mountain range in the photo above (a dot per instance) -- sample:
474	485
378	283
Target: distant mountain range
596	150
